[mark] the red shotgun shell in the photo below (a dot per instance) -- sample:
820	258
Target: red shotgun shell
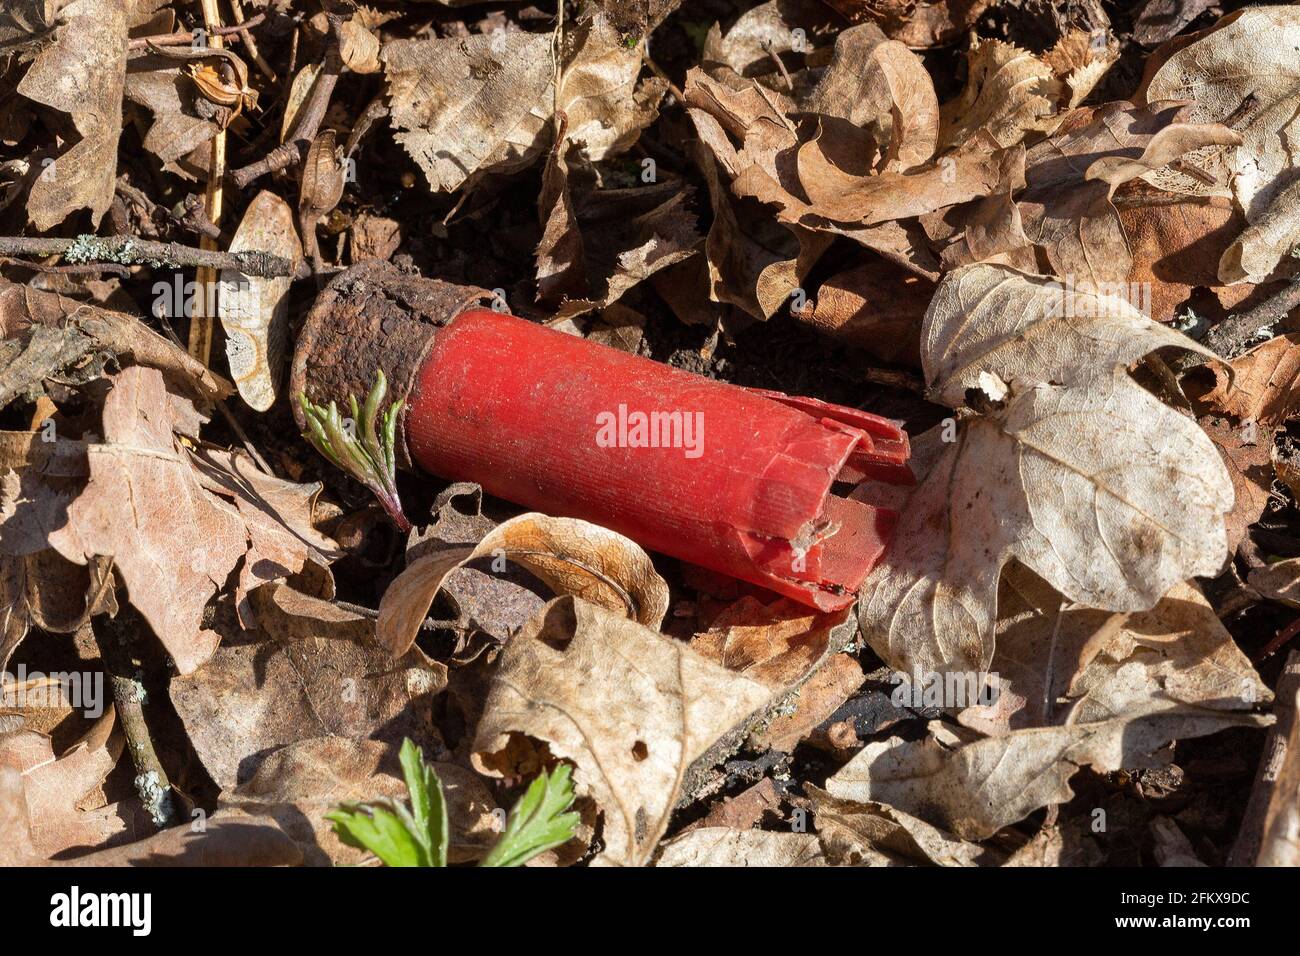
734	479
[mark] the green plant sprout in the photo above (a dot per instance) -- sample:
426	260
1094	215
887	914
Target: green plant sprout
417	835
371	458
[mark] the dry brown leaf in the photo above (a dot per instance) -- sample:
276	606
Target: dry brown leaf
159	84
876	307
1271	237
631	708
1071	177
1262	386
1011	92
359	47
49	336
254	311
570	556
722	846
1112	515
1248	455
1279	581
228	838
776	644
1245	61
58	793
82	74
1056	659
629	235
977	788
873	834
317	672
917	23
871	80
469	103
1176	246
463	105
141	491
818	698
173	541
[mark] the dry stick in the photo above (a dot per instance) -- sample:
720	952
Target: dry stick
114	638
1251	834
80	269
673	88
1231	336
128	250
294	149
201	324
186	37
249	43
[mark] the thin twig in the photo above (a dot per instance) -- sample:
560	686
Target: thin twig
129	250
673	88
151	782
244	26
186	37
294	149
80	268
1232	336
203	325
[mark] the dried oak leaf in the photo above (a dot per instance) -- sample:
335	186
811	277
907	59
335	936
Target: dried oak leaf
82	74
871	80
875	306
228	838
631	708
856	833
1011	92
1071	178
152	510
48	336
56	806
1270	238
776	644
1078	472
315	671
1240	71
917	23
1055	659
723	846
570	556
465	105
974	789
301	782
1262	384
254	311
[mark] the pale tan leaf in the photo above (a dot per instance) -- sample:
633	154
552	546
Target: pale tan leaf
255	311
721	846
82	74
1243	68
631	708
978	788
570	556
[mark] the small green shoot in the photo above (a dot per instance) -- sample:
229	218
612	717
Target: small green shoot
417	836
397	835
371	458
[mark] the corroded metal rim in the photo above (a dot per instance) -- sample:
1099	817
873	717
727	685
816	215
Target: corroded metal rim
373	316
